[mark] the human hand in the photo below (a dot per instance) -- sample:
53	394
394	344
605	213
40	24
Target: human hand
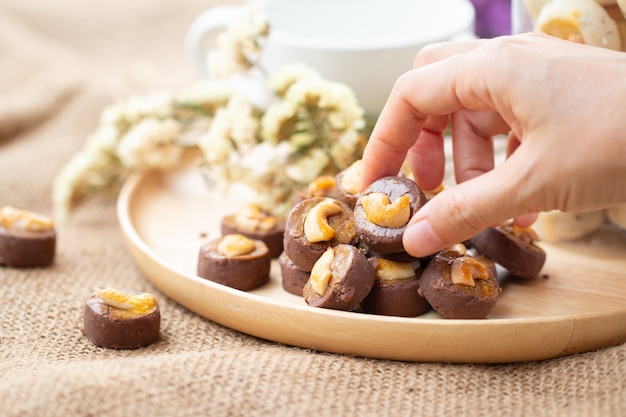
562	104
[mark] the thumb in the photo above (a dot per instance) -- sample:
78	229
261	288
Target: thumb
458	213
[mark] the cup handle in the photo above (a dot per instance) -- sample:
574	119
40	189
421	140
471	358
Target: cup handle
198	35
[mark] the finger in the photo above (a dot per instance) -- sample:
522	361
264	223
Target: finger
427	158
526	220
472	142
458	213
396	130
512	144
437	89
441	50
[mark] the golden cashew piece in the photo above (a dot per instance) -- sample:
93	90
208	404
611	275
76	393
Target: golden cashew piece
235	245
12	218
321	272
320	186
140	303
525	234
316	227
466	269
459	248
393	270
381	211
252	218
351	177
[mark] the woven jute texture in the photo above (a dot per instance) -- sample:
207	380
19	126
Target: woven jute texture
61	62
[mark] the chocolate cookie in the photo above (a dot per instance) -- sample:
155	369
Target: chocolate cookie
293	279
236	261
340	279
383	211
26	239
395	290
120	320
255	223
348	184
313	226
458	286
513	248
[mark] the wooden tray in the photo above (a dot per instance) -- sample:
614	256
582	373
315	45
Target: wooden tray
578	306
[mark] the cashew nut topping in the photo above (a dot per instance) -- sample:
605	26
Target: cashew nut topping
316	227
459	248
252	218
321	272
351	177
235	245
466	269
393	270
381	211
431	193
17	219
320	186
140	303
525	234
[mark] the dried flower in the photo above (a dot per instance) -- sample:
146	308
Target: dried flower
311	127
151	143
239	48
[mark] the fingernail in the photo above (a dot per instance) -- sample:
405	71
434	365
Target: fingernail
419	239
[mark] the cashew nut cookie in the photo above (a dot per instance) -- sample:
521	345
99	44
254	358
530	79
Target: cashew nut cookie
383	210
27	239
458	286
117	319
257	224
583	21
533	7
395	290
235	261
314	225
348	183
556	225
513	248
293	279
340	279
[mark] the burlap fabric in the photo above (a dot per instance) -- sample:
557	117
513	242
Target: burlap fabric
60	63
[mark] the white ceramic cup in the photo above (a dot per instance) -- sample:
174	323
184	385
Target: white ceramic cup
365	44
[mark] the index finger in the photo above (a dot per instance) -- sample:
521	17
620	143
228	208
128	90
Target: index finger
395	132
416	95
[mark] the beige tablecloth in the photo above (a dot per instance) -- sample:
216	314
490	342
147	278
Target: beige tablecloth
60	63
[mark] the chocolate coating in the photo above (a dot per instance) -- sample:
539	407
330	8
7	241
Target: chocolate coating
304	253
352	279
456	301
293	279
397	298
272	238
104	326
381	239
520	258
244	272
25	249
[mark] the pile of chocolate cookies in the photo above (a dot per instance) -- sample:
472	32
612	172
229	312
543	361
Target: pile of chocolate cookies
343	250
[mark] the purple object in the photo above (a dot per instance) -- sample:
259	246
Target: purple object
493	18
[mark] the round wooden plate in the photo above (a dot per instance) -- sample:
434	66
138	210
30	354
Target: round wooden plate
578	305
